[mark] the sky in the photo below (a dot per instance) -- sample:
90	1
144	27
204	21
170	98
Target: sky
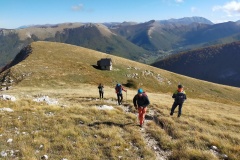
16	13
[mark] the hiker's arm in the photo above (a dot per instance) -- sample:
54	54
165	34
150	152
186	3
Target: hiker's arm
135	101
174	95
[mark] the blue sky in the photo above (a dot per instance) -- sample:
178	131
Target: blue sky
15	13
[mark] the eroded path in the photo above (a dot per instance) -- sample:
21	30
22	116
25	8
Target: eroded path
150	141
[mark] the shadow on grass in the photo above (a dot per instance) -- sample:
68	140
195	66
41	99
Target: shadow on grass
109	124
96	67
149	117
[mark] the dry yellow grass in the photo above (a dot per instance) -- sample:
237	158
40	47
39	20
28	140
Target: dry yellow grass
202	125
76	129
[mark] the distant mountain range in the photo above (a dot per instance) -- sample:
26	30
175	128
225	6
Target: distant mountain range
187	21
218	64
144	42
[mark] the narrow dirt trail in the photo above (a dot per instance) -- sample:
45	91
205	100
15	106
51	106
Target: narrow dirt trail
150	141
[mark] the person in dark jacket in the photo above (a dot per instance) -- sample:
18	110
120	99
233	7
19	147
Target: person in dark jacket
140	102
100	89
179	97
119	88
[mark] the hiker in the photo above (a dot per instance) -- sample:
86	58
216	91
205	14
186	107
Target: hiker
180	96
119	90
100	88
140	102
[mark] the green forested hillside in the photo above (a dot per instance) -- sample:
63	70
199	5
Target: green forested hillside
217	64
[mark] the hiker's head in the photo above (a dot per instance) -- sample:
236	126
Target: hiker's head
180	86
140	91
118	84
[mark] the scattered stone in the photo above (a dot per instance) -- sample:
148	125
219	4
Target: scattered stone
224	156
24	133
7	97
216	152
214	148
81	122
6	109
169	83
4	154
49	114
41	146
44	157
3	88
46	99
64	106
105	107
10	140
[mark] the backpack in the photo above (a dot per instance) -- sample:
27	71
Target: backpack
144	94
180	97
100	88
118	88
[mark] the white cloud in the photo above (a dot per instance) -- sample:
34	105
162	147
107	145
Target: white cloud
229	8
77	7
179	1
193	9
172	1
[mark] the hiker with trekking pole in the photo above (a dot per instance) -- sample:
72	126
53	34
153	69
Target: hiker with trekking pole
140	102
119	88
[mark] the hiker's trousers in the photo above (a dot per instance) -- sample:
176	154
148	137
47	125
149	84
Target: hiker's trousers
119	97
100	94
175	104
141	114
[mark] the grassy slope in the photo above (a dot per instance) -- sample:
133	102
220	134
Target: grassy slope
61	65
65	72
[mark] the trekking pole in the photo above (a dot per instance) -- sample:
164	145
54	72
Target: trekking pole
126	96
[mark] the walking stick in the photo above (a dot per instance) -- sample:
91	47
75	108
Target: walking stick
126	96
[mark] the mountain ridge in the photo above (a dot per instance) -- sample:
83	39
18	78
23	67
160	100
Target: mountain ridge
217	64
142	42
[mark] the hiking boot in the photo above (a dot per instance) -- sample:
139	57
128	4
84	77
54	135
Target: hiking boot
141	125
179	115
171	114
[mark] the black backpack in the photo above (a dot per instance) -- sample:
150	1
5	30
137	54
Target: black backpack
100	88
180	97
